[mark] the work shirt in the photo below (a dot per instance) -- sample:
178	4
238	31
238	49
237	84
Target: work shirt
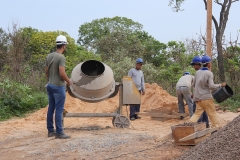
203	84
138	78
186	81
53	62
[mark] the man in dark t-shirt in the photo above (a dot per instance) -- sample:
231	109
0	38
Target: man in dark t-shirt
56	75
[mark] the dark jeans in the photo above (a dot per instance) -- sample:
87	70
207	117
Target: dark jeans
133	109
204	117
56	99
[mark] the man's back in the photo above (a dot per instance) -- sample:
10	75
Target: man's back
53	61
186	80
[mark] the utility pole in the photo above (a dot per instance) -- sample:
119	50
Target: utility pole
209	28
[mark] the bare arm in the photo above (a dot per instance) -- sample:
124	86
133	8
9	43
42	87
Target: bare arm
63	75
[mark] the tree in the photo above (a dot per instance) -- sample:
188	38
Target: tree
119	44
98	28
219	26
44	42
4	41
154	51
176	5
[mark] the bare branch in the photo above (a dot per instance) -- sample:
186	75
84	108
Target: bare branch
215	22
235	1
222	15
216	1
225	16
205	2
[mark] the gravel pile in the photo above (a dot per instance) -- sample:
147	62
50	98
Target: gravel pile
222	145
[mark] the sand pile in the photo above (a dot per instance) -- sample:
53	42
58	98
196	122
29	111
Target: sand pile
224	144
155	97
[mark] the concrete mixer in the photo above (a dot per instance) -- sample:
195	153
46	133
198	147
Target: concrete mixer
93	81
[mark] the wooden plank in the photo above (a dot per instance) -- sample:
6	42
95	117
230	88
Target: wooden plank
159	115
200	127
169	136
180	132
160	119
161	110
195	142
199	134
179	114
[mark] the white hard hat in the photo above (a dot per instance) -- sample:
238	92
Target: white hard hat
61	40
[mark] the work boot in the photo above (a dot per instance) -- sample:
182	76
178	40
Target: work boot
137	117
207	125
61	136
132	118
51	134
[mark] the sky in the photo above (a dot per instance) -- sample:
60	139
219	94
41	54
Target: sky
156	16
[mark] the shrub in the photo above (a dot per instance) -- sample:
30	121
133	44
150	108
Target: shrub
16	99
232	103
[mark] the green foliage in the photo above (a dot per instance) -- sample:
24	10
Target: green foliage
44	43
232	103
121	69
80	56
119	44
90	32
176	5
16	99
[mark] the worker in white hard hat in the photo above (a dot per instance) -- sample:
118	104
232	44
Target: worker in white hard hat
56	76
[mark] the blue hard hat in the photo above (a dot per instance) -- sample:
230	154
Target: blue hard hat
206	59
196	60
186	73
139	60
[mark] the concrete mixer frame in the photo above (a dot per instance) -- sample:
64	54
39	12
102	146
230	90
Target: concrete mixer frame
118	121
93	81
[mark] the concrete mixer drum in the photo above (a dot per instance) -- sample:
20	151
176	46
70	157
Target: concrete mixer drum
93	81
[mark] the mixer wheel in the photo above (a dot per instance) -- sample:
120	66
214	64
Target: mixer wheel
121	121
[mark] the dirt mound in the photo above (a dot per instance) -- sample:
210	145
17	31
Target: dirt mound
155	97
224	144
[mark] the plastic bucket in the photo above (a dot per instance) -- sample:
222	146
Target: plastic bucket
222	94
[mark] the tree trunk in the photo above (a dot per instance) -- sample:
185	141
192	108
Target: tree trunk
220	57
220	28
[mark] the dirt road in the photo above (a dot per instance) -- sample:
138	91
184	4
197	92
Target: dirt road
91	139
96	138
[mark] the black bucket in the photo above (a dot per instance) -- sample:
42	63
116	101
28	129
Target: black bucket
222	94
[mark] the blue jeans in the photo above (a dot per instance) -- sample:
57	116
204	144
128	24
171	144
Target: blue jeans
204	116
56	100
